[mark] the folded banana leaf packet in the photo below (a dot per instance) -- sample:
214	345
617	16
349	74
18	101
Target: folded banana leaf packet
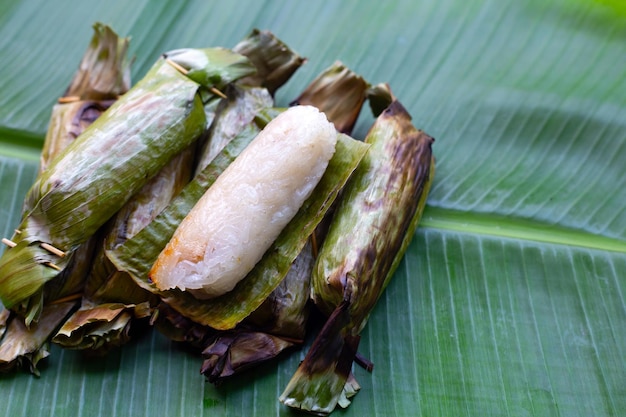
373	224
103	168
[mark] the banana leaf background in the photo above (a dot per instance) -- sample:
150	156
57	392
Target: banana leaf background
511	299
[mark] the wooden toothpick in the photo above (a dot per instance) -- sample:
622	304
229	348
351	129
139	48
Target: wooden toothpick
53	266
52	249
9	242
217	92
180	68
70	297
68	99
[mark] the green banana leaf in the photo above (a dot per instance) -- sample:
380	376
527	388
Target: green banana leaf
511	299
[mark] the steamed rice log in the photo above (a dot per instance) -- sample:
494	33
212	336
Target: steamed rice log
237	219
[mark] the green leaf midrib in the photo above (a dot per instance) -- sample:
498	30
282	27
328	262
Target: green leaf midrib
516	228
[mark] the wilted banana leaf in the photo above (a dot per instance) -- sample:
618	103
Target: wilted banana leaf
510	300
274	60
99	327
25	346
340	92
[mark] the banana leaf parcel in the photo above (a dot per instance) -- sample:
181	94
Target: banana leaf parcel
103	168
368	235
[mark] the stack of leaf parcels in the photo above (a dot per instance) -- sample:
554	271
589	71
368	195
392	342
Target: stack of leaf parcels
117	228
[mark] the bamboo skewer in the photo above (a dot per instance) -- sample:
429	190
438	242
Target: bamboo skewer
70	297
180	68
9	242
52	249
68	99
46	246
58	252
217	92
53	266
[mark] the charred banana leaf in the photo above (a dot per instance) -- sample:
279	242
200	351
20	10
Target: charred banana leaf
370	231
275	61
103	168
102	76
24	347
379	97
278	324
233	352
339	92
100	327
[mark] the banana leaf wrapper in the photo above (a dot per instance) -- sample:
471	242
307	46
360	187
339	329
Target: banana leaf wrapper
137	255
102	76
95	176
24	347
99	328
370	231
232	115
340	92
274	60
244	112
